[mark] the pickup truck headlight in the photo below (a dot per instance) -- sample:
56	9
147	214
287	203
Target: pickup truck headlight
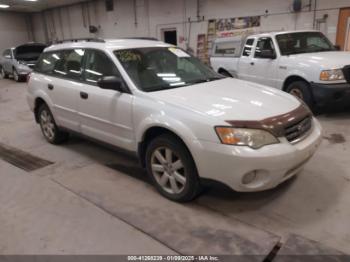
254	138
332	75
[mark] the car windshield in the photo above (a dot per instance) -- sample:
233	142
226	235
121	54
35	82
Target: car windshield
303	42
160	68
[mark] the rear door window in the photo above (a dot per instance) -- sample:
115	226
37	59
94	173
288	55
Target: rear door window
71	64
247	50
65	63
47	62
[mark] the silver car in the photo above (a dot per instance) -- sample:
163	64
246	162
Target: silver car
20	61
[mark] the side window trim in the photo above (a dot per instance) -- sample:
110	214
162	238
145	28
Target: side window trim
107	56
257	41
83	65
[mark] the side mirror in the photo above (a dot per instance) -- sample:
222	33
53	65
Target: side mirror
268	54
111	83
337	47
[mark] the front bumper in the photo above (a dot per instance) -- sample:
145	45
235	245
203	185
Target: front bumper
331	94
273	163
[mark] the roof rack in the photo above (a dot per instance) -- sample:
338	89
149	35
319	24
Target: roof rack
97	40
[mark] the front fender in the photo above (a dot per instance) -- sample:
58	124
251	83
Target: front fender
299	73
172	124
175	126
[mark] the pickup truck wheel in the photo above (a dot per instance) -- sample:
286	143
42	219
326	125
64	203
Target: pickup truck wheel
301	90
49	128
225	73
171	169
4	75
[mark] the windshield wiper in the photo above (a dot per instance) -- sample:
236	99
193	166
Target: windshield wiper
198	81
209	79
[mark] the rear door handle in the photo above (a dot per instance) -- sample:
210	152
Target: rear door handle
50	87
84	95
252	63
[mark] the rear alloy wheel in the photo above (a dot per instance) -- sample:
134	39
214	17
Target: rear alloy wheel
49	128
301	90
172	169
3	73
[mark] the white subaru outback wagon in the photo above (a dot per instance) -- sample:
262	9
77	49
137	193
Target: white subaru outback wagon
184	121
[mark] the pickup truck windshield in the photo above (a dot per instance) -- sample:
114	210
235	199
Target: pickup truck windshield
160	68
303	42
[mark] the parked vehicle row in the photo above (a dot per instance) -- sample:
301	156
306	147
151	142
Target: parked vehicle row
20	61
184	121
302	63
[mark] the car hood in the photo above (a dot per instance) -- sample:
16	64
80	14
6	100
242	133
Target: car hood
326	60
29	52
230	99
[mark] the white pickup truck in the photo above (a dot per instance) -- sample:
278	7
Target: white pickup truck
302	63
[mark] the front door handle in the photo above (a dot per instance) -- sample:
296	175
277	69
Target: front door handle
252	63
84	95
50	87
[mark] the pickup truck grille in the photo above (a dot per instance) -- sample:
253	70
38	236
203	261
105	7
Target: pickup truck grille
346	72
296	131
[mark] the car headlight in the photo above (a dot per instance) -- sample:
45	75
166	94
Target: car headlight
332	75
254	138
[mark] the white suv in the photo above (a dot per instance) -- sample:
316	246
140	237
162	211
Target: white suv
184	121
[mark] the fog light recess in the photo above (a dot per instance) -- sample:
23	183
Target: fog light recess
249	177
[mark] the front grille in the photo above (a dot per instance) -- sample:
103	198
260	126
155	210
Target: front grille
346	72
296	131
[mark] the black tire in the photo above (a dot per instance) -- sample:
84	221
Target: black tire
58	136
225	73
301	90
191	187
3	73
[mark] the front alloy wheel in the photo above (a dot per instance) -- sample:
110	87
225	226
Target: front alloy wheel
172	169
168	170
16	76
